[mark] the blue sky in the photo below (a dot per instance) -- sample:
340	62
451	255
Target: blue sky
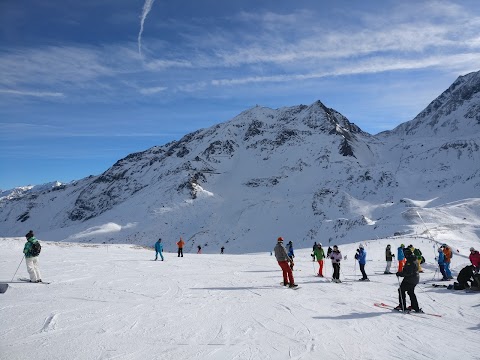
85	83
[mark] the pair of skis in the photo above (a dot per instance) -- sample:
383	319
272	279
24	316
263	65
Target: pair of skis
32	282
391	307
4	285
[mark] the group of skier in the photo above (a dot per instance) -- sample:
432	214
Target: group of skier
409	265
180	244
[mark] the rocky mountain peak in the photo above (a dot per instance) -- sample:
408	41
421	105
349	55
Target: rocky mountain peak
457	109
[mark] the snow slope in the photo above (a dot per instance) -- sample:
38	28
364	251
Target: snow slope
303	171
114	302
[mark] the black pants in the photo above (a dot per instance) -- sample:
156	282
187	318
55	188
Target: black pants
410	290
362	269
180	252
336	270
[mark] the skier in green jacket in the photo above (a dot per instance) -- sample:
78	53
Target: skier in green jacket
319	255
31	259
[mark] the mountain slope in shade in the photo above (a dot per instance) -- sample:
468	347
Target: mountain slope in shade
303	172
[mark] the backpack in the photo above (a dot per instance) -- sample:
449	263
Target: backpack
35	249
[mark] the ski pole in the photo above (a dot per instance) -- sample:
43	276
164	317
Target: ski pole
427	294
341	271
18	267
400	292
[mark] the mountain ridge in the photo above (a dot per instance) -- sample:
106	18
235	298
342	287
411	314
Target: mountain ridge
305	171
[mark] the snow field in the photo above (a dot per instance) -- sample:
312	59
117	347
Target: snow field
114	302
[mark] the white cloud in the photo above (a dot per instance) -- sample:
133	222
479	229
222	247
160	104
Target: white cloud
152	90
147	6
31	93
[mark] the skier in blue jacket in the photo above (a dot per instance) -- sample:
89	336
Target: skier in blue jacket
291	255
361	256
401	257
158	249
441	264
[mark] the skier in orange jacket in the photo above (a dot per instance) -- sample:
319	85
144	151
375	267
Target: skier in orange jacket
180	247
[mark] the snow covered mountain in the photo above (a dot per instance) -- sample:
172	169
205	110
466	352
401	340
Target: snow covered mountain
303	172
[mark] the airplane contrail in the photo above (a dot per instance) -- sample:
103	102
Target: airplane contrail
146	9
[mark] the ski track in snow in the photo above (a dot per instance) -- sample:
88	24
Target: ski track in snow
121	305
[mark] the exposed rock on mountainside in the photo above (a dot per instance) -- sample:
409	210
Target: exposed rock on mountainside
305	172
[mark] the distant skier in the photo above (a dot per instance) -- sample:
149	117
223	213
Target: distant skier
418	255
329	251
361	256
389	258
313	251
199	251
401	257
290	249
320	255
336	257
31	257
475	259
448	259
180	247
410	280
291	254
283	260
158	249
221	250
441	264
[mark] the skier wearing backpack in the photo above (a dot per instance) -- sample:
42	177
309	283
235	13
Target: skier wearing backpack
418	255
410	280
32	250
319	254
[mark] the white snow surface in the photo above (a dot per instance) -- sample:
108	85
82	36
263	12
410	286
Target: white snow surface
114	302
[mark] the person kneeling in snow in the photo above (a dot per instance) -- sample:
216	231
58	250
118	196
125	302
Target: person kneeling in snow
410	280
464	277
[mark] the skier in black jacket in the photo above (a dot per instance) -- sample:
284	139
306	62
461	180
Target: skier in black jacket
410	280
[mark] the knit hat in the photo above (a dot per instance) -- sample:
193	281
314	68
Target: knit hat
472	249
280	239
29	234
